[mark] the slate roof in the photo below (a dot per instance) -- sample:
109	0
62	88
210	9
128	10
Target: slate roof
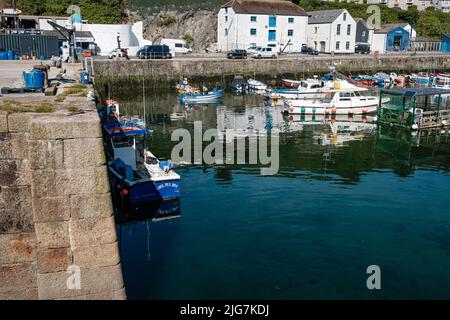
271	7
324	16
389	27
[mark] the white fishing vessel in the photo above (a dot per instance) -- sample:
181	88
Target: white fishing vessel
256	85
307	89
343	98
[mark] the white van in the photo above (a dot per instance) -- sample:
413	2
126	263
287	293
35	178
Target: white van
177	46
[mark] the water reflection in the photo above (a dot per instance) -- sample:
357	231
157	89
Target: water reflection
242	235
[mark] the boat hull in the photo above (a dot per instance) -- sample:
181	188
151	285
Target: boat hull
290	83
145	190
332	110
202	98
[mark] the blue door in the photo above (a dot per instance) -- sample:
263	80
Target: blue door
272	35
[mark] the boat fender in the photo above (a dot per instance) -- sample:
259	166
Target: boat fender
333	109
364	110
303	110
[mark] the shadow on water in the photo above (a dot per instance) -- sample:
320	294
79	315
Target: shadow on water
347	194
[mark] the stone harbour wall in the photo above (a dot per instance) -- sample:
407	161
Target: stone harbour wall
165	73
56	215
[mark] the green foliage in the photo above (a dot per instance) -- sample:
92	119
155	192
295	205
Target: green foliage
431	22
188	38
167	21
96	11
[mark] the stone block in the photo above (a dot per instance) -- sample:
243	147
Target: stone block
50	209
55	127
17	247
18	276
19	145
92	231
84	152
19	122
3	122
19	294
53	260
92	281
70	182
5	146
52	234
101	255
46	154
91	206
15	172
15	210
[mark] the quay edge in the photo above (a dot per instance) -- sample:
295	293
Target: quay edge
162	74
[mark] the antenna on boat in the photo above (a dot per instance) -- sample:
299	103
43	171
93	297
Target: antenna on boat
143	95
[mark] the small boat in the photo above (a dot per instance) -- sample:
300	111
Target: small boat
136	175
201	97
256	85
239	85
110	112
344	98
287	83
441	82
307	89
420	78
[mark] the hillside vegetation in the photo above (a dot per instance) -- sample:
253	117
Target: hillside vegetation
96	11
431	22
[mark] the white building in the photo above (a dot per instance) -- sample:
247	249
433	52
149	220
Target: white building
276	23
131	36
332	31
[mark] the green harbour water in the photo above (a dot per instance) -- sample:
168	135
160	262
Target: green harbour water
340	203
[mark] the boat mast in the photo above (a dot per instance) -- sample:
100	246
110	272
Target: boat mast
143	96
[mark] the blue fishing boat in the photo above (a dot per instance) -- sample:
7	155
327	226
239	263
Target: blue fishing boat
136	175
201	97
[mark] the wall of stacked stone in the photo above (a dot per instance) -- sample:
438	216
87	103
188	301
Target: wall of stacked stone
56	216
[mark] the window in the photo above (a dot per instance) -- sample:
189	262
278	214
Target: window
345	16
253	18
226	31
290	32
226	10
349	29
290	20
272	21
338	30
347	45
337	45
178	45
226	18
253	32
363	33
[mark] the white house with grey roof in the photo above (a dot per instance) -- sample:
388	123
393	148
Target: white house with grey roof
277	23
332	31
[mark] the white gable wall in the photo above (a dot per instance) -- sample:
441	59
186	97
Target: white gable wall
239	28
327	33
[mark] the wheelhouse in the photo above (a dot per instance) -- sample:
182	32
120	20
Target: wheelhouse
414	108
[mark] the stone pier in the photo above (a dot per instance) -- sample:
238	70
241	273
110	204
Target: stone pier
57	231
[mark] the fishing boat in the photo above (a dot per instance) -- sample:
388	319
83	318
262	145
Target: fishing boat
368	81
441	82
136	175
184	87
292	84
256	85
201	97
343	98
420	78
239	85
110	112
307	89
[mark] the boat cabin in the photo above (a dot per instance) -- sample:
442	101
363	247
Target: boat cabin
414	108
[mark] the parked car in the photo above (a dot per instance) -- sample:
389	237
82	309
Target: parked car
308	50
154	52
265	52
177	46
253	49
362	48
118	53
237	54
